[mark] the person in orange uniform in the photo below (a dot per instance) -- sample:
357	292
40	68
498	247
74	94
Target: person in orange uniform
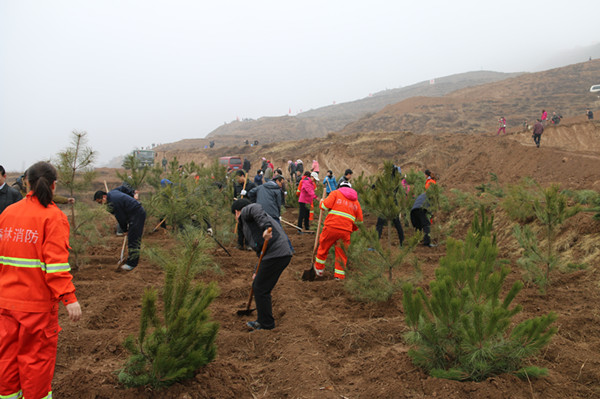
430	178
34	278
344	211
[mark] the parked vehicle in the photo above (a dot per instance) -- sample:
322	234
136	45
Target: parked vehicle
231	163
146	157
595	89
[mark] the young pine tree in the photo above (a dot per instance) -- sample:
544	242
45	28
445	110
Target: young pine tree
171	348
371	279
551	213
75	172
462	330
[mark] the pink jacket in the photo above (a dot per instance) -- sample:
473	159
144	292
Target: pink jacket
315	166
307	193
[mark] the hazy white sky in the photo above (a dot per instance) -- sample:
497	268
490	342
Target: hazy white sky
133	73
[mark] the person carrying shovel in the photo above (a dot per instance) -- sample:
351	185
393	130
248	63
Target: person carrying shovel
258	228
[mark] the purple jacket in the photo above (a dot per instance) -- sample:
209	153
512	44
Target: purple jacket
307	194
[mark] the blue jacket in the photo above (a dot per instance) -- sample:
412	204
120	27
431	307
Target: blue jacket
330	184
124	207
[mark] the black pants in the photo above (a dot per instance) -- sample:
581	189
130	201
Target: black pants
536	139
134	237
268	274
419	220
303	215
396	222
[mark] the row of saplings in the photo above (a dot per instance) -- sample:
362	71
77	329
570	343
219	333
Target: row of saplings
461	330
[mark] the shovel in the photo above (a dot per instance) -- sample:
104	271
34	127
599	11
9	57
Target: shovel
310	274
123	259
248	311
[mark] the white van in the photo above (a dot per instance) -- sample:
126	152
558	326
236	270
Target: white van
595	89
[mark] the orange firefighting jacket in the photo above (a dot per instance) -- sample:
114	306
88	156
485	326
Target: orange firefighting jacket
344	209
34	257
429	182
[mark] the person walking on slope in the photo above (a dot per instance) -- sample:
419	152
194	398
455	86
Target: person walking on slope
306	198
502	122
315	166
544	117
538	129
589	114
130	215
34	278
256	222
344	211
329	182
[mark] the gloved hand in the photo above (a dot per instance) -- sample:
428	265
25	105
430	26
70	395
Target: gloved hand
209	231
243	192
318	272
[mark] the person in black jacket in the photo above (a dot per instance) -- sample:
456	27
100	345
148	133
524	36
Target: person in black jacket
8	195
276	258
131	217
240	190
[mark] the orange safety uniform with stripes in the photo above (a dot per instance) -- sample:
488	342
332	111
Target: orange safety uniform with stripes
34	277
344	211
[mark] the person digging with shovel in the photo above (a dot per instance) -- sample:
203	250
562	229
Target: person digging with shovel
258	228
131	217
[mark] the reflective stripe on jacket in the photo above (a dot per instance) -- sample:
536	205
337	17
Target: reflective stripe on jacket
344	209
34	257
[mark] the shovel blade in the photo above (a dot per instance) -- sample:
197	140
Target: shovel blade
245	312
309	275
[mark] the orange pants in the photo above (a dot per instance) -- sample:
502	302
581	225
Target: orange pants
328	238
27	353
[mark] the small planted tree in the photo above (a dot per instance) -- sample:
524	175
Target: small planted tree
551	213
171	348
463	329
75	173
371	278
135	174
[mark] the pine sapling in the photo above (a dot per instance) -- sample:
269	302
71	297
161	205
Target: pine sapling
171	348
462	329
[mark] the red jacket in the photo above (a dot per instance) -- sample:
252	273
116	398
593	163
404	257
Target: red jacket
34	257
344	209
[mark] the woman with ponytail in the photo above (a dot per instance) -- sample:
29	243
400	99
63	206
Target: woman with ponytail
34	278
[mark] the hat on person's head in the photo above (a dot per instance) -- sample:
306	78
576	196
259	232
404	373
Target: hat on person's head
277	177
298	161
315	176
348	172
263	158
238	205
289	162
345	184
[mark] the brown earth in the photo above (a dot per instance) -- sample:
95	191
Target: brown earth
326	344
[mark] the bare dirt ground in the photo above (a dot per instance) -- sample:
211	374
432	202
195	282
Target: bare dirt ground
327	345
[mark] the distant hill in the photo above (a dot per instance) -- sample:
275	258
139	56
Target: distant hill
319	122
476	109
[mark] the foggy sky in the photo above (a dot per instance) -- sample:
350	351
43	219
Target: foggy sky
133	73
